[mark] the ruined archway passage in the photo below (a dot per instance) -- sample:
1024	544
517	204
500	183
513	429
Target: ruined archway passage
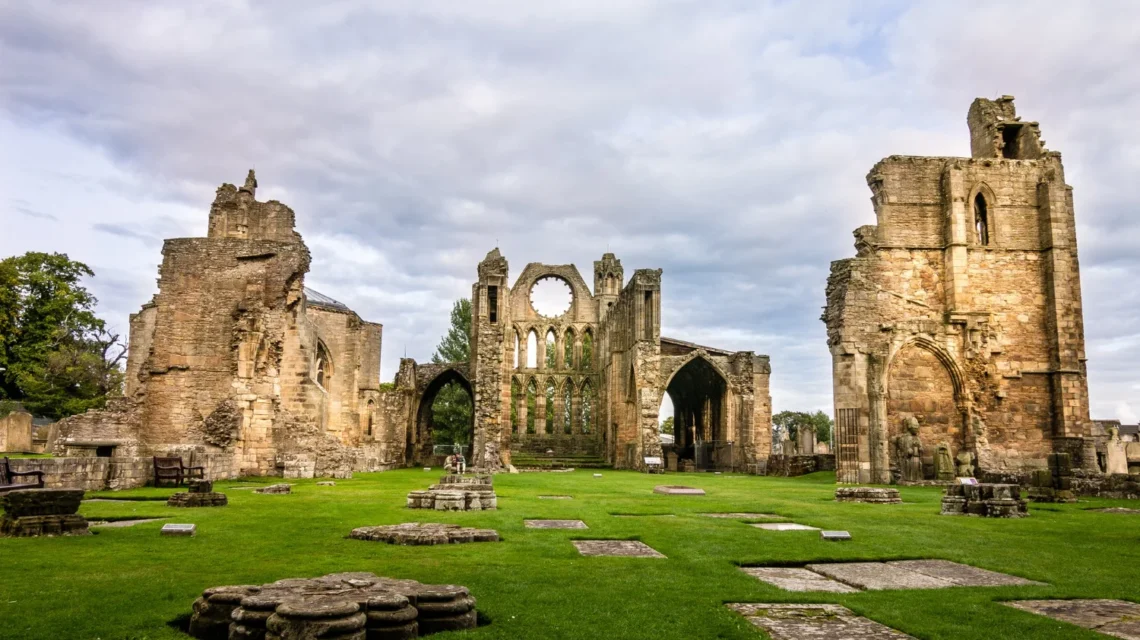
697	390
443	401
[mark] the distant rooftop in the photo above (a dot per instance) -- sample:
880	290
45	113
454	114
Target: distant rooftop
317	299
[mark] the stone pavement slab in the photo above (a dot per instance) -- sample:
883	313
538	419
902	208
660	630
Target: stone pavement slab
814	622
622	548
784	526
555	524
743	516
962	575
179	529
555	497
678	490
878	576
792	579
1116	618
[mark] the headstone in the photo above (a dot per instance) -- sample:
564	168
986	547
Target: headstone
805	441
1116	455
834	535
179	530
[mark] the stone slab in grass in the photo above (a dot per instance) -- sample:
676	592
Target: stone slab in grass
784	526
555	524
878	576
1116	510
1116	618
118	524
179	530
678	490
834	536
275	489
814	622
555	497
743	516
617	548
792	579
417	534
644	515
963	575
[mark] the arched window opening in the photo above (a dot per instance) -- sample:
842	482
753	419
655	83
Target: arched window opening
551	343
587	407
981	220
588	350
371	412
568	349
517	345
550	392
322	369
531	349
666	421
531	405
516	394
567	403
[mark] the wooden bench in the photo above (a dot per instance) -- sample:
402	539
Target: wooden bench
8	478
172	470
653	464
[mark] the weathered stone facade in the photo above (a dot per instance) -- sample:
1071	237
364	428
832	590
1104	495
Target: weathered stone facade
962	308
235	362
597	389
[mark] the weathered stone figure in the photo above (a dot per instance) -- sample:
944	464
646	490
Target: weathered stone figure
908	451
965	464
943	466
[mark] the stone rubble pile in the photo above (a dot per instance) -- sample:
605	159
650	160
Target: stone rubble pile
200	494
873	495
340	606
986	500
416	534
456	493
42	512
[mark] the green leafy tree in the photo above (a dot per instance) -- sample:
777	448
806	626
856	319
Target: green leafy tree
56	356
452	410
667	425
789	422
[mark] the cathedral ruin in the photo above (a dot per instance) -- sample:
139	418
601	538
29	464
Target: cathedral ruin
959	318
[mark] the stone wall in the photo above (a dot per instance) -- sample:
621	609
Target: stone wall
962	307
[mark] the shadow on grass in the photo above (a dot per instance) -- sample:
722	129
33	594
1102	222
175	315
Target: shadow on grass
181	624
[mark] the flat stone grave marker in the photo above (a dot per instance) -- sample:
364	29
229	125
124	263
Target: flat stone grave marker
555	497
1116	510
644	515
179	529
1116	618
963	575
834	536
802	621
878	576
118	524
555	524
678	490
784	526
793	579
743	516
597	475
618	548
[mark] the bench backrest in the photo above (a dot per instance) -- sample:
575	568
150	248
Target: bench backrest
167	464
4	468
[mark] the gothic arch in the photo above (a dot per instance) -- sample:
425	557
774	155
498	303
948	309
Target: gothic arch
990	199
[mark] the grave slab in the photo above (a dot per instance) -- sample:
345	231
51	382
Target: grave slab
555	497
1116	618
1117	510
877	576
962	575
743	516
792	579
784	526
179	529
117	524
834	536
678	490
814	622
555	524
619	548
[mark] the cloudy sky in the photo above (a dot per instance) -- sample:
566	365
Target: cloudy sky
725	142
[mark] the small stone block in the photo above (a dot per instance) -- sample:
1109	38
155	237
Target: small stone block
179	529
597	475
555	524
834	535
784	526
792	579
427	468
617	548
678	490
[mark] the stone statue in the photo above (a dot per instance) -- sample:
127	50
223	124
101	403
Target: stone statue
908	452
965	464
943	466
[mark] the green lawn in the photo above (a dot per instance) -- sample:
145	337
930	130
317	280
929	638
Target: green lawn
131	583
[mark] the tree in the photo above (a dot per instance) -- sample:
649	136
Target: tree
452	411
789	422
667	425
56	356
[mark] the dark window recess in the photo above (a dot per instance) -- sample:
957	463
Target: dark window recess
104	452
1010	136
493	304
981	220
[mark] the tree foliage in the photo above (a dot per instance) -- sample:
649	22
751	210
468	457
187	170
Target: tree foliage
452	409
56	356
789	422
667	425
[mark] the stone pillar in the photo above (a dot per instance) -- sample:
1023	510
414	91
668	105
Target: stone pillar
958	214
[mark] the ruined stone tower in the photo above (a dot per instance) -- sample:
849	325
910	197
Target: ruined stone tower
962	308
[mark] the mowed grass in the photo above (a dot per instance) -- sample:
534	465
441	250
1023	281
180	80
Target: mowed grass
132	583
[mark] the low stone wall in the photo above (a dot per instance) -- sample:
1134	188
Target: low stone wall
791	466
99	474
